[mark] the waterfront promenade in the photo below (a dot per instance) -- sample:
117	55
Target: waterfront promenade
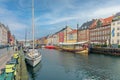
5	55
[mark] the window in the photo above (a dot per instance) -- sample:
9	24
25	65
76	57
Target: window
117	34
118	28
112	41
113	32
113	24
118	41
118	22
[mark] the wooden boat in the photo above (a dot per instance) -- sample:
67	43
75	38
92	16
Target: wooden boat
83	51
78	47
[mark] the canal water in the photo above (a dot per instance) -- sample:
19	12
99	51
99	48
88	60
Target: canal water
57	65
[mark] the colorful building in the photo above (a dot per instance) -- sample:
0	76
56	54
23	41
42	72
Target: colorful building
62	34
12	40
43	40
3	34
66	31
9	36
55	39
83	31
50	40
100	31
72	36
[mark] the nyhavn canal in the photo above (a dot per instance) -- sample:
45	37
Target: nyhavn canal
57	65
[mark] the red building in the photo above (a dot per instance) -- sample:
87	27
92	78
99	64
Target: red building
61	36
12	40
9	36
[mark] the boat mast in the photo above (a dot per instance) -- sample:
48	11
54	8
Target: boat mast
33	23
25	37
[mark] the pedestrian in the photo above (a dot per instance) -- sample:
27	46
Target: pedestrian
7	47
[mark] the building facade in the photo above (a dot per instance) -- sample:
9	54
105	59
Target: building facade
115	29
83	31
72	36
63	34
12	40
50	40
100	31
55	39
3	34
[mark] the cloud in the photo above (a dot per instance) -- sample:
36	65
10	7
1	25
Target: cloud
53	14
10	19
106	11
55	21
80	15
88	14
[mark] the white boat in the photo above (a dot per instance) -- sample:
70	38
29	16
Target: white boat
33	56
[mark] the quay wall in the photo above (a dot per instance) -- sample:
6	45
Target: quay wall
106	51
22	73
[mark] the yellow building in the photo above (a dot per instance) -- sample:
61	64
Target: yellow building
72	36
66	31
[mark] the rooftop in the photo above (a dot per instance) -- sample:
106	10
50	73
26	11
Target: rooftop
73	31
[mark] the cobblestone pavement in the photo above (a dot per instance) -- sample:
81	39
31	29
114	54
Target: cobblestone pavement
5	55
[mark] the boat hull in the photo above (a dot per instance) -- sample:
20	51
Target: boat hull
33	62
50	47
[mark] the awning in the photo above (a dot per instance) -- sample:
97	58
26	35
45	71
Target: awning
96	42
74	43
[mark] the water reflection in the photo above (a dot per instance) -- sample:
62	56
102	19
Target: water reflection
33	71
73	64
58	65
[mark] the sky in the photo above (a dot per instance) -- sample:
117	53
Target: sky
52	15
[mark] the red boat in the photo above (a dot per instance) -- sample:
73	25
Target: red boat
50	47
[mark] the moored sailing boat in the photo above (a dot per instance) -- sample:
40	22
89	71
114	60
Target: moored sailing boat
33	56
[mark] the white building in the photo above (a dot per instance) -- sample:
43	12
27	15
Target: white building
3	34
115	29
55	39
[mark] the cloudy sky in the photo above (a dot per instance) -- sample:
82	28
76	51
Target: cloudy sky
52	15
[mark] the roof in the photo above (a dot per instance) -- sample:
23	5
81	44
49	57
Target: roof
93	25
73	31
62	29
86	25
74	43
101	22
116	16
107	21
